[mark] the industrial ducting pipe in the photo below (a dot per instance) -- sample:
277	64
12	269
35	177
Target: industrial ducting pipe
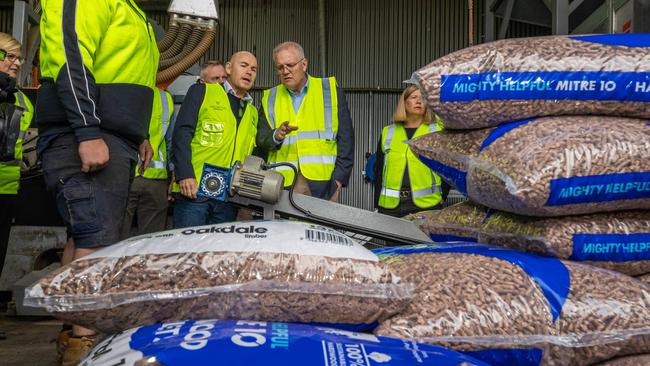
192	29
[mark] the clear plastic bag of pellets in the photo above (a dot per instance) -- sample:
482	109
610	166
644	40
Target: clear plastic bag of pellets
618	241
210	342
513	79
551	166
503	305
268	270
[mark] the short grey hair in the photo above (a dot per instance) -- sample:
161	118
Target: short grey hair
211	63
286	45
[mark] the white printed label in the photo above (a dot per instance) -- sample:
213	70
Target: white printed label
114	350
283	237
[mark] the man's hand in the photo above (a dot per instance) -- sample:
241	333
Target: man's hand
336	196
146	153
189	187
282	131
170	185
93	154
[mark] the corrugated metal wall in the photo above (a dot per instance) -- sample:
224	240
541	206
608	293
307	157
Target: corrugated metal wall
372	47
6	18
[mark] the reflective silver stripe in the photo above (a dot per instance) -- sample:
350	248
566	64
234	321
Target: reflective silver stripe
389	137
327	102
426	192
317	159
433	127
270	106
22	134
165	111
309	135
165	124
21	100
14	162
290	140
389	192
157	164
294	163
317	135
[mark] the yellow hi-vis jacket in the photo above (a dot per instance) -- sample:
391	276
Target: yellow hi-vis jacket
312	149
10	171
217	139
161	115
98	62
425	184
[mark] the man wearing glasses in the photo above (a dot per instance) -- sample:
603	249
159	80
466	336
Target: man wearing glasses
305	121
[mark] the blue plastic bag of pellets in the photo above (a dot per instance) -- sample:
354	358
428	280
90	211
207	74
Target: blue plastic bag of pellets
549	166
208	342
511	79
512	308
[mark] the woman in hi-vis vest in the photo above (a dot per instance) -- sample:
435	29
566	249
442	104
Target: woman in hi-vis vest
11	134
404	185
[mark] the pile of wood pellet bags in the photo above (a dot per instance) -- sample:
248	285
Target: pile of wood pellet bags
507	307
550	139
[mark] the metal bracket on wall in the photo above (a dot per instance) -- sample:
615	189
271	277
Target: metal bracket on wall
528	12
24	16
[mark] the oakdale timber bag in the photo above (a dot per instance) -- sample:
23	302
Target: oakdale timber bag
275	271
249	343
550	166
511	308
618	241
512	79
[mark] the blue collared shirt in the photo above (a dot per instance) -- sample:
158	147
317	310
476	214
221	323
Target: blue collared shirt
297	98
228	88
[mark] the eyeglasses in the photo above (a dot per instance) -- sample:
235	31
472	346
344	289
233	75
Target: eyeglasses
6	56
280	68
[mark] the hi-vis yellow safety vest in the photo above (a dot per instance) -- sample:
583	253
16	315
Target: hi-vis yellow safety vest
312	149
10	170
217	139
161	115
425	184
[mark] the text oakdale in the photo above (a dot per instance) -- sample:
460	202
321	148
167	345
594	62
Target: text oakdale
232	229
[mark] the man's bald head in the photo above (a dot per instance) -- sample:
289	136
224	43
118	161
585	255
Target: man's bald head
242	71
241	54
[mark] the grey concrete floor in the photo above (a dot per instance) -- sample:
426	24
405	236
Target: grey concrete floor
29	342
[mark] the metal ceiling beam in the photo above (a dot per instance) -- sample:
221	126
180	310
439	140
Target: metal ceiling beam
560	17
505	23
488	25
494	5
574	5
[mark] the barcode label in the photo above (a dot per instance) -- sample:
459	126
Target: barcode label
327	237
